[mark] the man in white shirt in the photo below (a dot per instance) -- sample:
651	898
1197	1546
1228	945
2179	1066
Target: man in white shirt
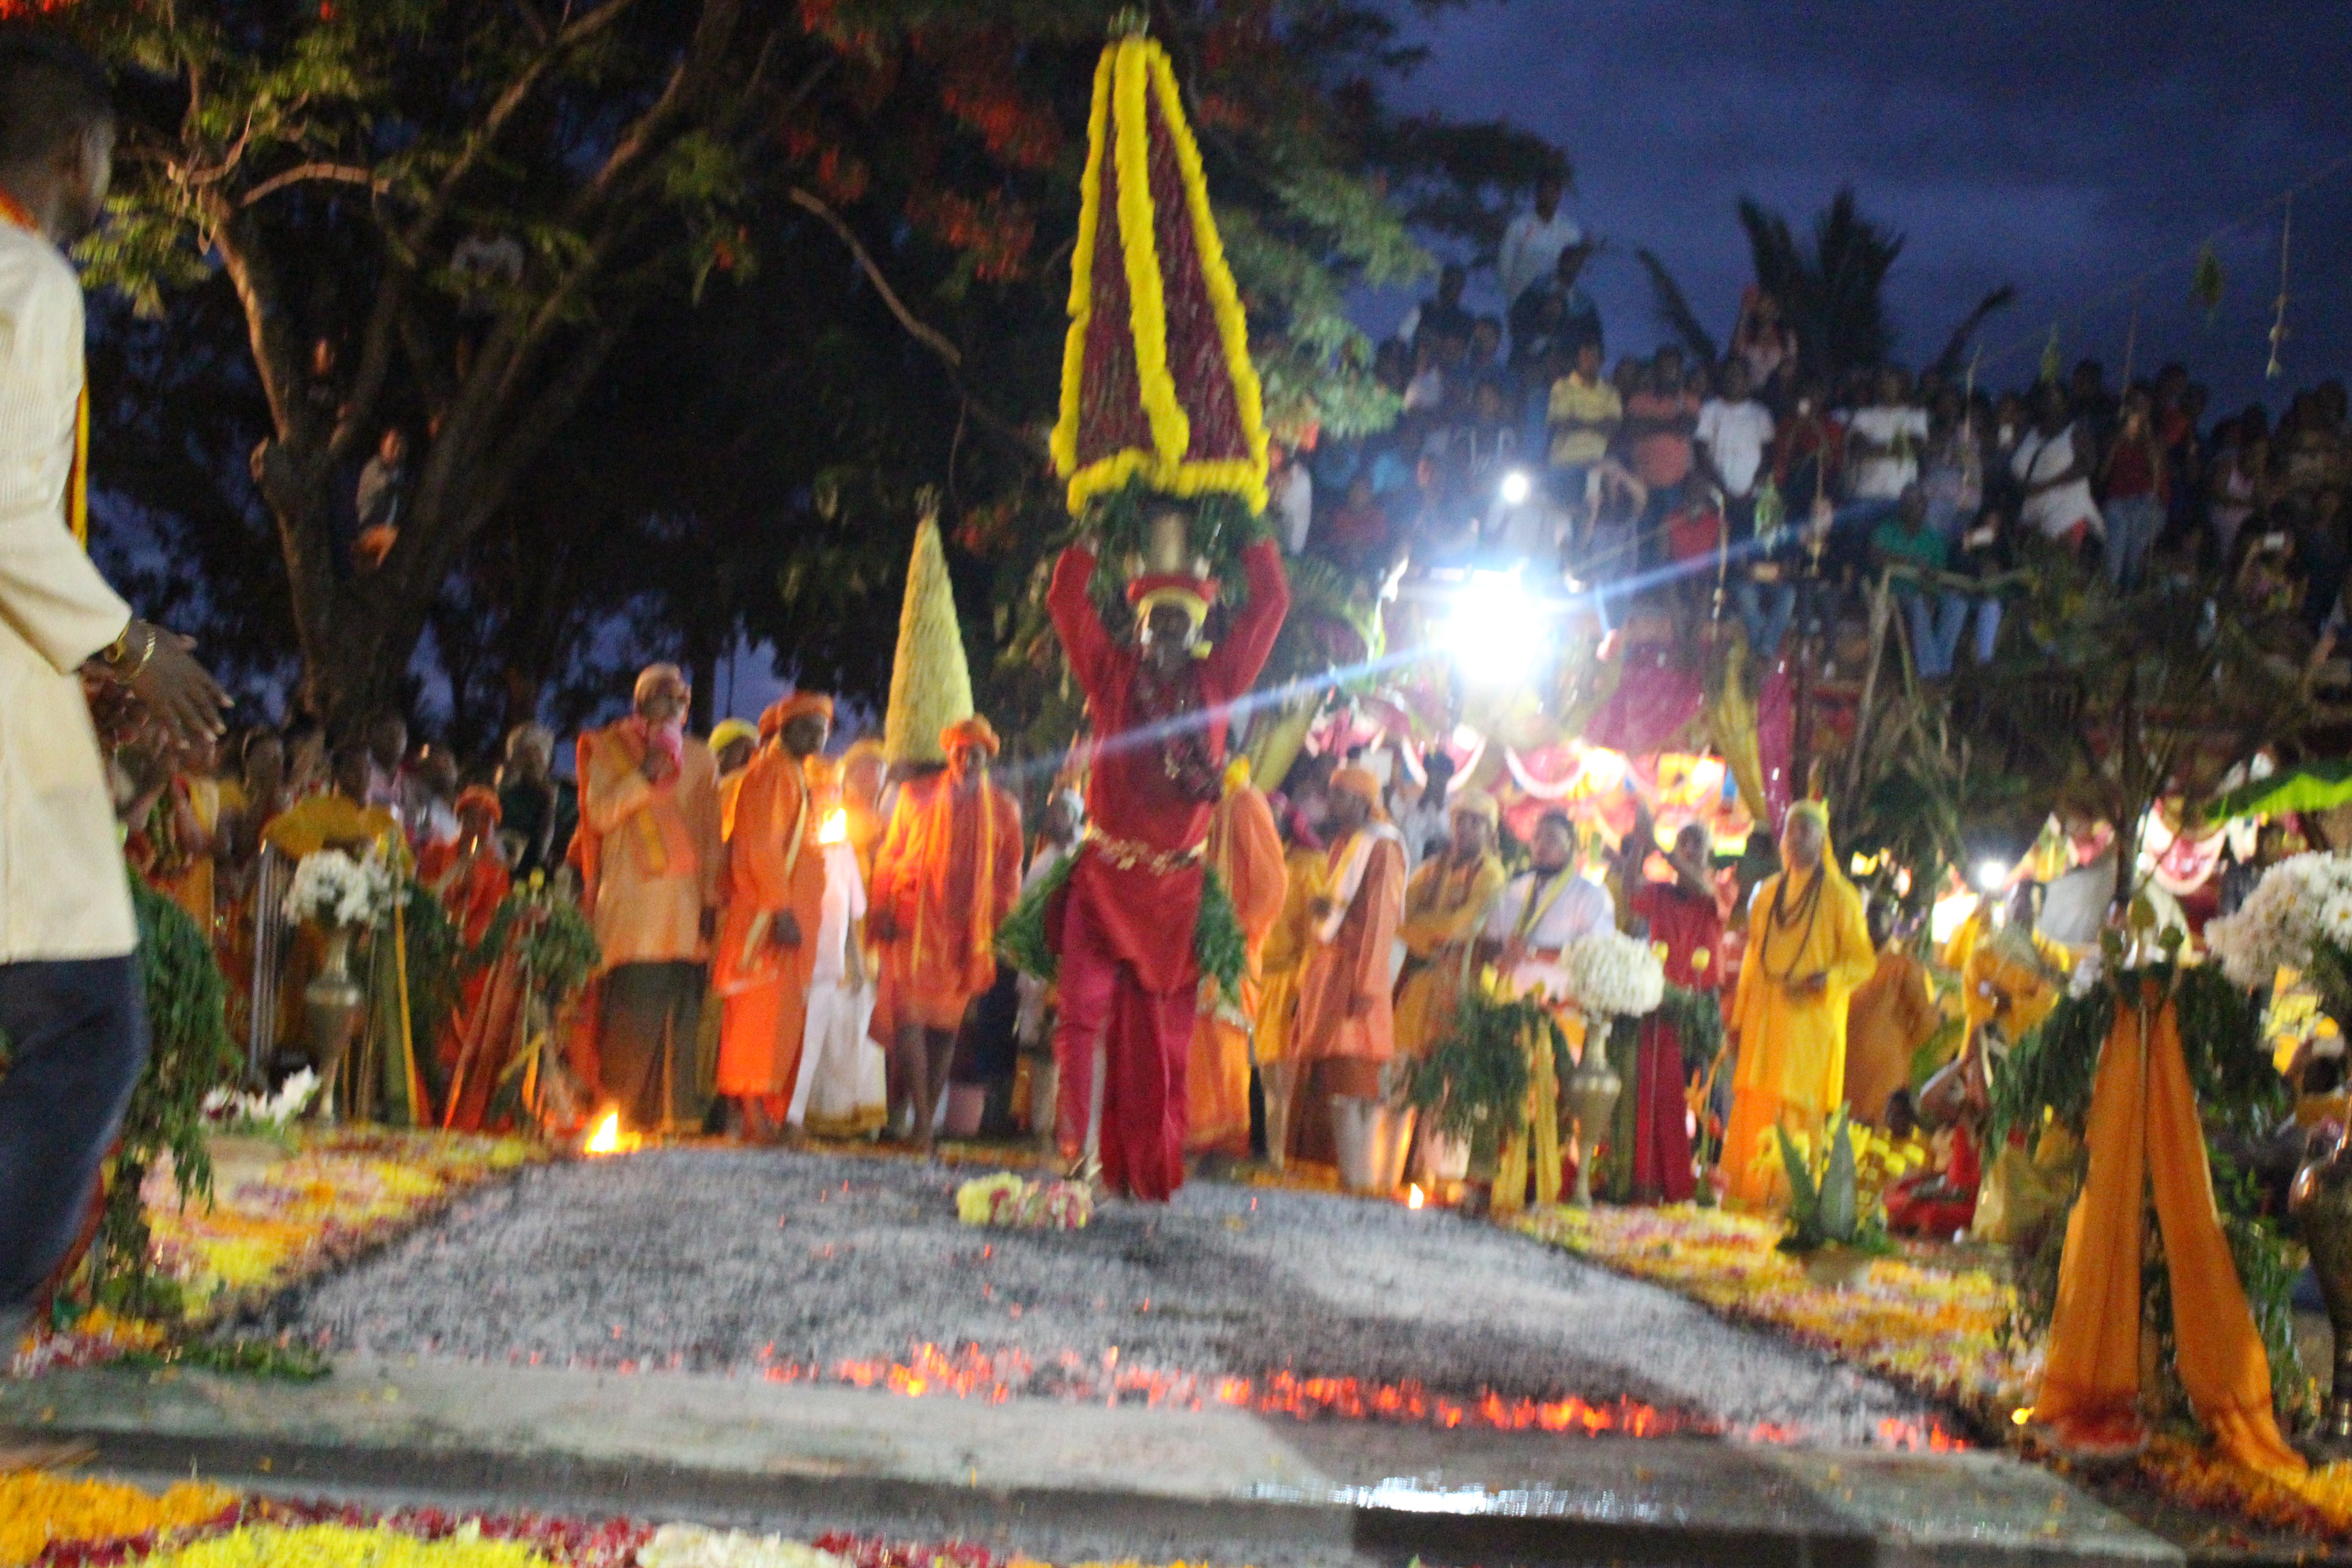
2054	463
70	992
1290	497
1532	244
1544	911
1883	442
1422	821
1734	433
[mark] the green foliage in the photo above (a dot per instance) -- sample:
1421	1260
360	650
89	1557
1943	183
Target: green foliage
2051	1070
190	1055
548	933
1822	1207
291	1362
1697	1019
1472	1084
1218	945
435	953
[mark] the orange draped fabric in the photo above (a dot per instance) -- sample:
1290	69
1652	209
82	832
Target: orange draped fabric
1245	850
948	873
773	868
472	1044
2144	1130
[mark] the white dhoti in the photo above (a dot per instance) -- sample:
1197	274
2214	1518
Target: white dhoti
841	1091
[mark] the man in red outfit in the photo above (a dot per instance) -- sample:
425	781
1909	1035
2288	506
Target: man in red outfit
1124	931
1683	919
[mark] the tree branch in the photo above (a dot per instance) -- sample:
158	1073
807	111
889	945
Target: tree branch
808	201
343	173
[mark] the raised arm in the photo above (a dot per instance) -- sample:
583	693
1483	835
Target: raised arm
1236	660
614	789
1082	638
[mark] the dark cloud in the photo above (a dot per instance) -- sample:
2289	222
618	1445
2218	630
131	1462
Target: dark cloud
2067	146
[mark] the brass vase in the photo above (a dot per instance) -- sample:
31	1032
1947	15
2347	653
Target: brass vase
334	1006
1590	1095
2321	1203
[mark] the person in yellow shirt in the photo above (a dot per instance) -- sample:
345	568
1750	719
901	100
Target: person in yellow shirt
1282	965
1445	908
1808	948
1583	412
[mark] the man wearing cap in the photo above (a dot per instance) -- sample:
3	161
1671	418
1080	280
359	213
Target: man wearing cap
1446	907
775	898
1346	1029
1124	928
651	858
945	877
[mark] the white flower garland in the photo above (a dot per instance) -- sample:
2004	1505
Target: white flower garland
2301	901
692	1546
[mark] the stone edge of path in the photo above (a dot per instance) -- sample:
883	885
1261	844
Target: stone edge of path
1316	1497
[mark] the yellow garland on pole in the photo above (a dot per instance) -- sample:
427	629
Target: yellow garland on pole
1132	71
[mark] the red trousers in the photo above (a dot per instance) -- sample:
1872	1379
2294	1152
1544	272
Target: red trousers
1661	1147
1133	1115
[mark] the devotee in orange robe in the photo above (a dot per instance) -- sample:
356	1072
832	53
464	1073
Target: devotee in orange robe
1245	852
776	899
651	859
948	873
1345	1028
1890	1016
469	874
1808	948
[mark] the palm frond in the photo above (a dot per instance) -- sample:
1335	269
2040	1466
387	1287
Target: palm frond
1948	363
1675	312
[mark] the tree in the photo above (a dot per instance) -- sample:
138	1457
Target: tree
1834	296
857	210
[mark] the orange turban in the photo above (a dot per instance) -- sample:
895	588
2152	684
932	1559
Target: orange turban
975	730
1364	785
481	797
799	705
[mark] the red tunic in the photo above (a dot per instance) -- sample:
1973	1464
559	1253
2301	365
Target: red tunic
1692	931
1124	928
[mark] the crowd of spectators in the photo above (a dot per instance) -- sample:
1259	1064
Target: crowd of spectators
1745	489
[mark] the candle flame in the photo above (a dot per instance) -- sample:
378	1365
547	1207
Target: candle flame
606	1139
836	828
1414	1197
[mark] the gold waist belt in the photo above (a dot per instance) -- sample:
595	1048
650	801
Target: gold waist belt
1127	854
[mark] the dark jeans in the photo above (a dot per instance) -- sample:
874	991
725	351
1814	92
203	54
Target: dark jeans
77	1032
647	1044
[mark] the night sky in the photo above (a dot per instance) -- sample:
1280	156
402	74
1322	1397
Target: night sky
2067	146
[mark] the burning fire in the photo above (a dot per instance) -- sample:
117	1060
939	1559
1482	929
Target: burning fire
836	828
608	1139
1414	1197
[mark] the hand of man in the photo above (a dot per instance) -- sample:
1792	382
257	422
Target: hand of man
657	765
785	931
155	664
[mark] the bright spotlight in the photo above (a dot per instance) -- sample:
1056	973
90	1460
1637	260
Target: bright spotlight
1496	632
1515	487
1990	875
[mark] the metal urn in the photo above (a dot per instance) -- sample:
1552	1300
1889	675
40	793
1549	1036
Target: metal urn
1591	1095
333	1006
2321	1203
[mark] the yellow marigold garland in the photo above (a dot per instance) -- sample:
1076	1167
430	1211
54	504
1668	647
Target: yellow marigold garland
342	1546
1130	73
37	1508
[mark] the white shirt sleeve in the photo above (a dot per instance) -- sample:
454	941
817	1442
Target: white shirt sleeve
50	595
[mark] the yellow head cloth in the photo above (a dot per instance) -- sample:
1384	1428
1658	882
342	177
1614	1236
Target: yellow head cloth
727	732
1237	775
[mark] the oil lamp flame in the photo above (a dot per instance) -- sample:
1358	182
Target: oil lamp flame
1414	1197
606	1139
836	828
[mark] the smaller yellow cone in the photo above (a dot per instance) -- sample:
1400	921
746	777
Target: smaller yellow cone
930	685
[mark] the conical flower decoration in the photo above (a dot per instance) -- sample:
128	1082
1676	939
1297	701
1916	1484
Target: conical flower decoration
1157	382
930	685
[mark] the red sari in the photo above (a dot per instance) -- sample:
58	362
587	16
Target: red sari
1692	931
477	1038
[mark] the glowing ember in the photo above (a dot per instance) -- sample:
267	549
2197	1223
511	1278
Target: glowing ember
1414	1197
836	828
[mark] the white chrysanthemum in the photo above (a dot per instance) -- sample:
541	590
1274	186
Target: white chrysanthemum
332	889
1616	975
692	1546
2336	918
2299	902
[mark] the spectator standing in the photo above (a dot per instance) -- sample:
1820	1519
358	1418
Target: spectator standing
2240	487
1585	412
1766	346
1952	473
1440	316
71	1000
2135	479
2052	463
2095	408
1555	311
1356	536
1661	421
1734	433
1533	241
